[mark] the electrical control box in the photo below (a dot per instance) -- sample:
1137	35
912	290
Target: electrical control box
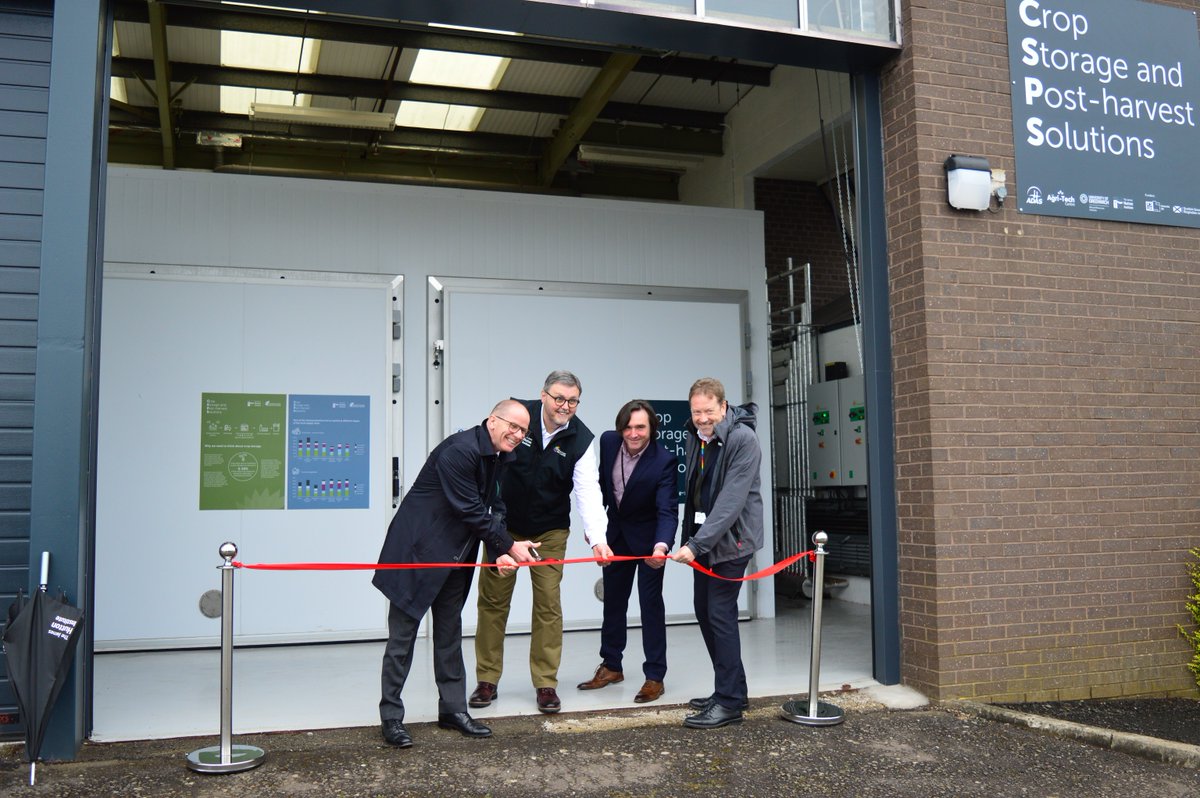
852	402
824	442
837	433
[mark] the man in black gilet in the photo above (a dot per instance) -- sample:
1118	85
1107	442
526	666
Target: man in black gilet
555	462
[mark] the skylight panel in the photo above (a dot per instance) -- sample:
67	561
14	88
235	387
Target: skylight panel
117	88
290	54
438	116
464	70
266	51
459	70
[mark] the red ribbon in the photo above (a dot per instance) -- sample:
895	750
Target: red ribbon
372	566
770	569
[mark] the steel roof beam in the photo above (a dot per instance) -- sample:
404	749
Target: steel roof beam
608	133
309	159
398	34
335	86
590	106
161	67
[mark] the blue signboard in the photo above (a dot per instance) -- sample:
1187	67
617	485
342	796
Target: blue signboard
673	415
329	452
1106	103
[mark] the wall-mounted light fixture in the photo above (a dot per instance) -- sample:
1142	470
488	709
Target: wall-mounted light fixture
968	182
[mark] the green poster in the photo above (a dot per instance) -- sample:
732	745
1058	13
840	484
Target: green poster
243	439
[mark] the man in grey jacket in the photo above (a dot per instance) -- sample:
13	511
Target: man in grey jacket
722	528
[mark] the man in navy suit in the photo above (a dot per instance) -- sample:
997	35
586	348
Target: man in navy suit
638	483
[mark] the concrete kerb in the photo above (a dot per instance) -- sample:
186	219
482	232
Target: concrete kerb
1168	751
870	698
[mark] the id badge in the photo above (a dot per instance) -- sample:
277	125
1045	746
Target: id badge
700	518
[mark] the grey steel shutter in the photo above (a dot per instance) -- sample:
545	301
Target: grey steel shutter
25	28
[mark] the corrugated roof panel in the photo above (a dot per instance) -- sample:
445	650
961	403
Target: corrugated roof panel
137	94
342	103
202	98
195	98
193	45
187	45
134	39
518	123
353	60
538	77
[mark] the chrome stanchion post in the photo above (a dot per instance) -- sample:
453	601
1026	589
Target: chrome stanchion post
820	713
226	757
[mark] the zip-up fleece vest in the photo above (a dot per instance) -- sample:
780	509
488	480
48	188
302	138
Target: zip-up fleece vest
537	485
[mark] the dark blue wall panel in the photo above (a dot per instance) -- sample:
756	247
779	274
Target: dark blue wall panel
25	31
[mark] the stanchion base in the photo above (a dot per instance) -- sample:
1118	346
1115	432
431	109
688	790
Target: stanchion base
241	757
827	714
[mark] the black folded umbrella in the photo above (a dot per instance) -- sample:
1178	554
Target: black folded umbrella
39	640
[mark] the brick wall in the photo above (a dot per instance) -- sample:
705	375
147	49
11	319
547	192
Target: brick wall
799	223
1047	405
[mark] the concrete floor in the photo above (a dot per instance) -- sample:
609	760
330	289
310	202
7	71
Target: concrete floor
154	695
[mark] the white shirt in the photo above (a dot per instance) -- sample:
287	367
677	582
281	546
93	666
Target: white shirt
585	491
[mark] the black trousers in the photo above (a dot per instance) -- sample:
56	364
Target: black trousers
618	584
448	669
716	608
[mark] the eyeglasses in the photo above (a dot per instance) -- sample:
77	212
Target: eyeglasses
512	427
559	401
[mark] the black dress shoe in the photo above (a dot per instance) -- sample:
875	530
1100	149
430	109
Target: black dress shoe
714	717
395	734
701	704
462	722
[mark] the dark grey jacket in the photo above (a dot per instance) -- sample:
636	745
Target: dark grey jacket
734	525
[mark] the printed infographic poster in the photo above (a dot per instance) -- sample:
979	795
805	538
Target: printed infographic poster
328	452
242	439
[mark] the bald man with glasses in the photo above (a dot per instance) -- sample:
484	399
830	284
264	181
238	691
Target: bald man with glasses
555	462
454	504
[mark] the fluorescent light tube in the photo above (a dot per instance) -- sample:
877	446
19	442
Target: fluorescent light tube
329	117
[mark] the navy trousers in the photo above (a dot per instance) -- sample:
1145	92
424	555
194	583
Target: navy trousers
716	608
618	584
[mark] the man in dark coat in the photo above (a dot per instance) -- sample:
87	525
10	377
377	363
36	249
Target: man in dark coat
454	504
638	483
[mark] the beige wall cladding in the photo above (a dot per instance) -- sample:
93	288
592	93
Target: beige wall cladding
1047	405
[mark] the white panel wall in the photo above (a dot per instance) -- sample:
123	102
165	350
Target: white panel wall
841	344
622	361
768	125
165	340
204	219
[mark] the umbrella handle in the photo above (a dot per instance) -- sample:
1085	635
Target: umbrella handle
45	577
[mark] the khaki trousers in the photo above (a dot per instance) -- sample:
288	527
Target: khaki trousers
495	600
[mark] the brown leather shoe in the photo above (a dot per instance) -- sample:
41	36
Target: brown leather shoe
485	693
603	678
651	691
547	700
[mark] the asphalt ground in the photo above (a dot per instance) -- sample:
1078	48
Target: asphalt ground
951	750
